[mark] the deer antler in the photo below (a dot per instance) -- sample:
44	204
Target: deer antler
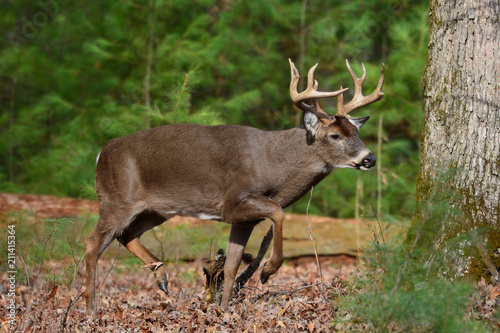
359	100
311	92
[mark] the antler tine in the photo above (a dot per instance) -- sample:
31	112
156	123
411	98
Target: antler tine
359	100
340	104
311	91
294	80
312	84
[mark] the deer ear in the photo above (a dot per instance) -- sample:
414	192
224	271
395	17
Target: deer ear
358	122
312	124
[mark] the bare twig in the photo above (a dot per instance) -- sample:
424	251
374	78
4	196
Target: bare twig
109	271
289	292
375	237
12	119
311	238
302	50
162	249
65	316
77	263
379	166
44	247
379	225
357	215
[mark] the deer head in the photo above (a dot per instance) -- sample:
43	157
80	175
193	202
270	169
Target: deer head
336	134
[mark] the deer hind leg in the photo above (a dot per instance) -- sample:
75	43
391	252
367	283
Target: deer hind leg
95	245
130	239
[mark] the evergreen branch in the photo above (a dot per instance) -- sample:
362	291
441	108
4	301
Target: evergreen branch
179	97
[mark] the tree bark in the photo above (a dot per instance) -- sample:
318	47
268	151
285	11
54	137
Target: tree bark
460	159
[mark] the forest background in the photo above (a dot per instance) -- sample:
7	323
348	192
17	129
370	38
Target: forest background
75	74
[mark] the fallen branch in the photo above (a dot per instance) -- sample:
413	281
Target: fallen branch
65	316
289	292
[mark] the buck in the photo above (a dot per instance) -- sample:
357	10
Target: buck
236	174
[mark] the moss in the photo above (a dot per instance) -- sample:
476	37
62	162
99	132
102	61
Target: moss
478	267
489	234
447	215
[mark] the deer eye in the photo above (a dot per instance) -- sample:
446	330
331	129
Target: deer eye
335	136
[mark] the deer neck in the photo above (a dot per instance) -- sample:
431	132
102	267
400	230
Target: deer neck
294	166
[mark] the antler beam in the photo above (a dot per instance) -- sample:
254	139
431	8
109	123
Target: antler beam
359	100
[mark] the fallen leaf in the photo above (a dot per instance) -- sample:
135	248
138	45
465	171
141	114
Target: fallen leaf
304	312
52	292
218	312
494	293
119	310
273	323
310	327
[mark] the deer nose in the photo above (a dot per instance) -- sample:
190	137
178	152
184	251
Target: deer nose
369	161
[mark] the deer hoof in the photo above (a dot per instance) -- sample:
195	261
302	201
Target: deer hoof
163	287
264	277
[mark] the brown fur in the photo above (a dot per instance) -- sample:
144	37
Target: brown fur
236	174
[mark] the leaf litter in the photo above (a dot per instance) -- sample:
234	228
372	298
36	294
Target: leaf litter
129	301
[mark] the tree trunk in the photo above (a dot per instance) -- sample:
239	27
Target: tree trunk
460	159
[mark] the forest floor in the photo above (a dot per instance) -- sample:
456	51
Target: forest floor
129	301
299	298
47	293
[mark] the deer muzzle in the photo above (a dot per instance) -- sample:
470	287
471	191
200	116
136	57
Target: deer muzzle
368	162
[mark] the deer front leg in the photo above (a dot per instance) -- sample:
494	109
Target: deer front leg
238	238
274	263
250	209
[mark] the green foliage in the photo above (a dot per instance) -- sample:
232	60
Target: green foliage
398	290
188	241
45	249
53	249
87	74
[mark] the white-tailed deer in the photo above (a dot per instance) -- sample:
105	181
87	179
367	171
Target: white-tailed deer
236	174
